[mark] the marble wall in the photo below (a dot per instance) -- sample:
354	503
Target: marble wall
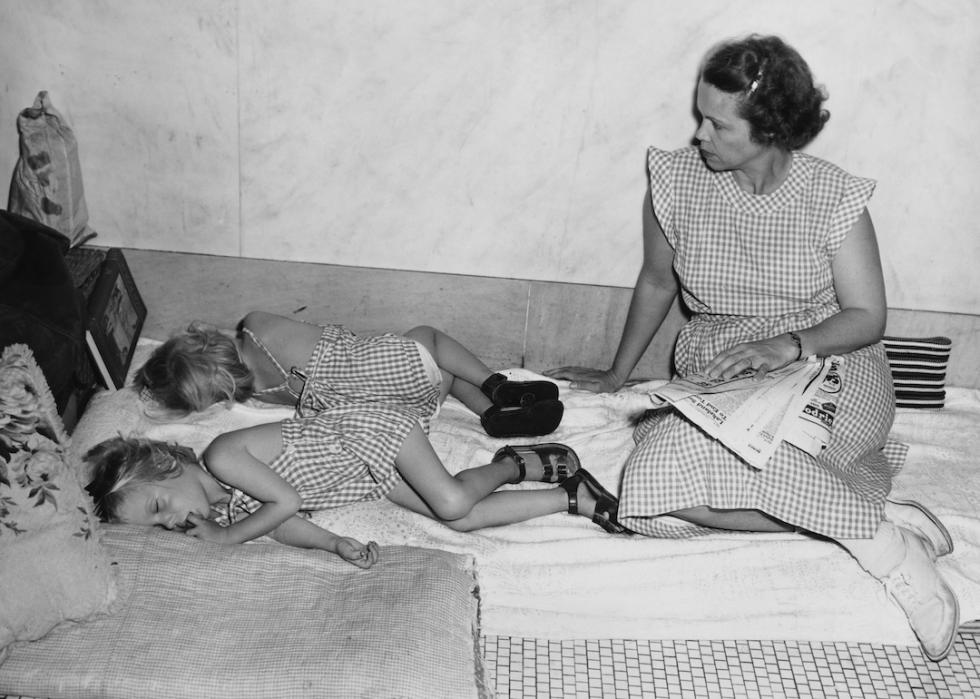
498	138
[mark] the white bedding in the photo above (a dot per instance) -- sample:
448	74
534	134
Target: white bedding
561	577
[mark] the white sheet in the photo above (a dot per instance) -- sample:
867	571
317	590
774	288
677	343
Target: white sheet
561	577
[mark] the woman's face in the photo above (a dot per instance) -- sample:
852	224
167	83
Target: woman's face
723	136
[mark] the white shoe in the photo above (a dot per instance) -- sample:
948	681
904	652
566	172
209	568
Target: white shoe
915	517
927	600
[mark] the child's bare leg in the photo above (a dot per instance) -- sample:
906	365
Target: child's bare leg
464	501
506	408
449	497
462	372
499	508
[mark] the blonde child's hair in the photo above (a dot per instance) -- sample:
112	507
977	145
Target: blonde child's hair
194	370
121	463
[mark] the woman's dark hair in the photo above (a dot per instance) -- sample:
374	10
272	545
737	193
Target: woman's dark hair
778	96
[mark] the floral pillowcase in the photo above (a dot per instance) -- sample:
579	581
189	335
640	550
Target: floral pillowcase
52	564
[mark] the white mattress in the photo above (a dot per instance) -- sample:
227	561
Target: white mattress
561	577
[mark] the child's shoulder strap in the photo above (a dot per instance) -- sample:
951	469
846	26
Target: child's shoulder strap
284	386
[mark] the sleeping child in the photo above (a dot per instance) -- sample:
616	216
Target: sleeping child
144	481
255	481
291	362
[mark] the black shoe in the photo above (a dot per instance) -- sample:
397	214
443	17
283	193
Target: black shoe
513	394
531	420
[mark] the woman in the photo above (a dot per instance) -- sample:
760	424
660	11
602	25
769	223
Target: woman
774	253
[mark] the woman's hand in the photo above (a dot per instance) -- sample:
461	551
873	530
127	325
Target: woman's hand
205	529
353	551
761	356
587	379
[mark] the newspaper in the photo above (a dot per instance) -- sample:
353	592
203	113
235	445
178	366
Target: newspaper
751	415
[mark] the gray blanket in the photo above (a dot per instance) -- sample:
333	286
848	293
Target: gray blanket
196	619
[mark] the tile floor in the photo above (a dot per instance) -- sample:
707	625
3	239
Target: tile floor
600	669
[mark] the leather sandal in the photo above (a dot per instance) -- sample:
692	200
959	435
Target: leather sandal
558	460
514	394
533	420
606	504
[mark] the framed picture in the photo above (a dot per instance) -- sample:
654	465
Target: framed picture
116	313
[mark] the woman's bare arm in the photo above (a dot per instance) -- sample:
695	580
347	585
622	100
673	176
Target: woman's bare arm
654	292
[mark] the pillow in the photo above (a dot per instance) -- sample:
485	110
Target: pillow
53	567
918	366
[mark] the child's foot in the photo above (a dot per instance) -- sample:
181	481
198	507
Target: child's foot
533	420
515	394
548	463
588	498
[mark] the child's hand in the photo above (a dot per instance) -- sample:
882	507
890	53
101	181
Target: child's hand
353	551
205	529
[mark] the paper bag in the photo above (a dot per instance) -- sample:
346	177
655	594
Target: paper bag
47	180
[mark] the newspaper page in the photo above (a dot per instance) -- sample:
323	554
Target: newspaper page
810	431
751	415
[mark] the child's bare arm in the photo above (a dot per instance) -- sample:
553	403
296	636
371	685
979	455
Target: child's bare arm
300	532
240	459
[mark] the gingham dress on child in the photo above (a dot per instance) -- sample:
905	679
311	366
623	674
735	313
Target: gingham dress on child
341	455
347	370
361	398
752	267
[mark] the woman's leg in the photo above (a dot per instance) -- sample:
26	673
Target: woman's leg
467	500
462	372
734	520
902	559
904	563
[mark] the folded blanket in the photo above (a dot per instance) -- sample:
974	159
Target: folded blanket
263	620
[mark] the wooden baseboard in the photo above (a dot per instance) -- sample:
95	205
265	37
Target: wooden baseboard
507	322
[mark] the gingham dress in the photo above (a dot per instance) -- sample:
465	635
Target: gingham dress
361	398
337	457
347	370
751	267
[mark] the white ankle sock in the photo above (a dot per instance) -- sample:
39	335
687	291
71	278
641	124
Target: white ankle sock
881	553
